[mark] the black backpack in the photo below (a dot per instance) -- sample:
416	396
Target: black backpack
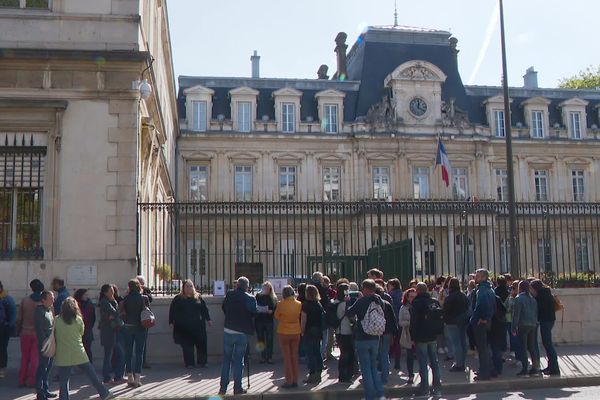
500	314
433	318
331	318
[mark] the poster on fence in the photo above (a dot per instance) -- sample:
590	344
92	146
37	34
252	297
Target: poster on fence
279	284
219	288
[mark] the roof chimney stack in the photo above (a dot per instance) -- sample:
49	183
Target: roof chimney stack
340	50
255	59
530	80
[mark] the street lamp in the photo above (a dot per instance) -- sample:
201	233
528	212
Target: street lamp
512	213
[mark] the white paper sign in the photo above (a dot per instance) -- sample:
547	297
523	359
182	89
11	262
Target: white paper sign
82	275
279	284
219	288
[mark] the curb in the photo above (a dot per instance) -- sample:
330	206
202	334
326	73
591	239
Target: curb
497	385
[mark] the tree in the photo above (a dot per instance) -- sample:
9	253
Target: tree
586	79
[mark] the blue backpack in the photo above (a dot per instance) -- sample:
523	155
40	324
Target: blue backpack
3	314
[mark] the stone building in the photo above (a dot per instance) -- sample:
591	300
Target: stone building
87	128
370	134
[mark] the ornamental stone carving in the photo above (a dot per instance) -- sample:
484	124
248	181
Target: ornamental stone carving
419	72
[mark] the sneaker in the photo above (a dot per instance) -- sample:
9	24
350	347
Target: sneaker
550	372
436	392
240	391
109	396
51	395
534	372
456	368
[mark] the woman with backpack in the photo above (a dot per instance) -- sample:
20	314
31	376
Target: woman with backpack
266	302
405	340
110	324
133	331
68	332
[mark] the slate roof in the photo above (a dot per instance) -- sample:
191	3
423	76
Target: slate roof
375	54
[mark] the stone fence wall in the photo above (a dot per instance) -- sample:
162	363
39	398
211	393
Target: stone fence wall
578	324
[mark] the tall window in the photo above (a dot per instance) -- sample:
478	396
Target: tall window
464	254
501	185
577	177
421	182
244	250
22	169
243	182
544	255
288	117
575	124
460	183
42	4
504	254
537	124
582	254
199	116
330	121
541	185
287	183
499	123
334	247
331	183
381	182
244	119
425	255
198	183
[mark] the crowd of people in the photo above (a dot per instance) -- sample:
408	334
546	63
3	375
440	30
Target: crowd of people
371	324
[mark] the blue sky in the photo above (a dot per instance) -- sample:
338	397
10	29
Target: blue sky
216	38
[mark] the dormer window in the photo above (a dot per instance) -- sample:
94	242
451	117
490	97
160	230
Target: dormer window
244	121
243	108
499	123
198	104
199	116
287	106
537	124
574	117
330	120
536	116
575	124
288	117
331	110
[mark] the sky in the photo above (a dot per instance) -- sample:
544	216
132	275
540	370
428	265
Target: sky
293	38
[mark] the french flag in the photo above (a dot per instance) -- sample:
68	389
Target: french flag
443	160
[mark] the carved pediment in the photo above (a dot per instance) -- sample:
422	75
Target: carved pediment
575	101
197	155
244	90
374	157
416	70
499	99
295	157
198	90
330	93
538	100
250	156
287	91
331	157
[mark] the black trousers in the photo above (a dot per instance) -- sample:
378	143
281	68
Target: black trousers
4	338
346	361
191	343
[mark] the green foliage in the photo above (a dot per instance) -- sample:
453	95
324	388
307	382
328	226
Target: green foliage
164	272
9	3
572	280
37	4
586	79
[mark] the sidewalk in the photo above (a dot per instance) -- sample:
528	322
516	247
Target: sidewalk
580	366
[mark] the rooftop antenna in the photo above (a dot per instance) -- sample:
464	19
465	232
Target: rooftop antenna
395	13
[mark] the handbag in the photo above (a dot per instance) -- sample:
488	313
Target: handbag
405	340
558	305
147	318
48	349
117	323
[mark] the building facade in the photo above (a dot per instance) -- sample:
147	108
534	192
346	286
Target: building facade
369	135
87	129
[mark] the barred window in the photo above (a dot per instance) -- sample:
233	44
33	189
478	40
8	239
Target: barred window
42	4
22	168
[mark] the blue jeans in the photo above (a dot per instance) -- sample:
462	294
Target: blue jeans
368	351
546	333
41	377
427	354
513	340
384	357
313	354
457	338
234	350
134	337
64	374
324	342
107	367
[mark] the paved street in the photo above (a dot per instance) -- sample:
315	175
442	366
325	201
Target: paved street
175	382
575	393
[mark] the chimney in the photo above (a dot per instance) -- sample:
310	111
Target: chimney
340	50
255	59
530	80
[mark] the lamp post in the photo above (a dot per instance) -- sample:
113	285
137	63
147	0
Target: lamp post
512	213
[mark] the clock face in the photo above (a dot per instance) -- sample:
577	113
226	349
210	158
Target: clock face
418	107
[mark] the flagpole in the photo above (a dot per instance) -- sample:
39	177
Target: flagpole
512	213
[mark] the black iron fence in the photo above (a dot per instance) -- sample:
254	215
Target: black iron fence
218	241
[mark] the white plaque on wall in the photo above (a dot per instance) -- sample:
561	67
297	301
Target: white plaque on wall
82	275
219	288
